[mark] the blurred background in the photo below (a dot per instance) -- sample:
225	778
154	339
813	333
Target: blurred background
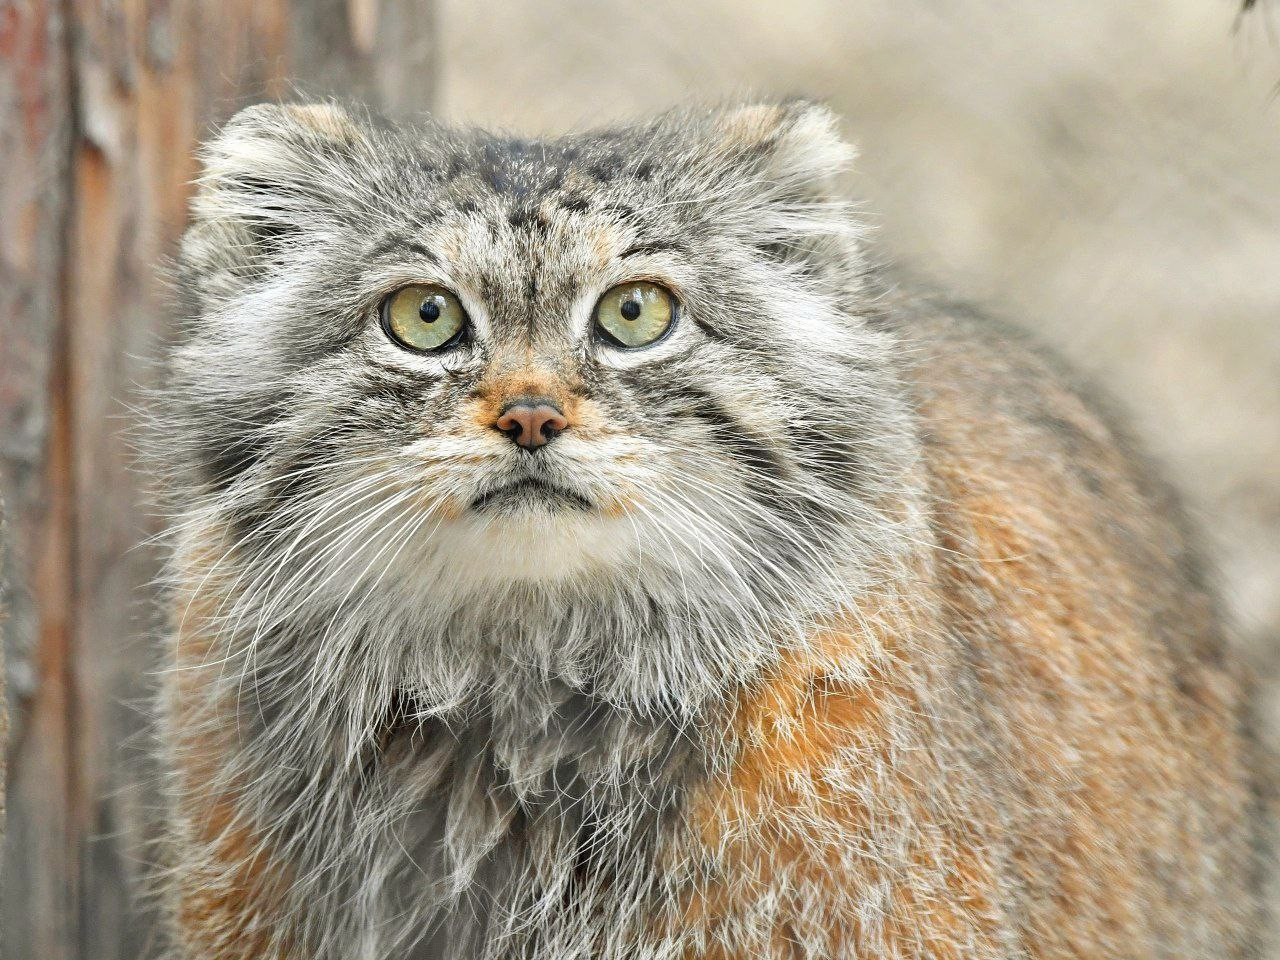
1107	174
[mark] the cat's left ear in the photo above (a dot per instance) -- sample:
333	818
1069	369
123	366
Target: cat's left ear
793	148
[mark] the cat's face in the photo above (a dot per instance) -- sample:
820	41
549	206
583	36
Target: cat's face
453	359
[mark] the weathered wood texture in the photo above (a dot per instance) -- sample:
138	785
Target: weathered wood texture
101	104
4	706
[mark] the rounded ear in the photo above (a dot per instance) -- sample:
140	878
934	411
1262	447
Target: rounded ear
272	148
796	142
779	165
265	177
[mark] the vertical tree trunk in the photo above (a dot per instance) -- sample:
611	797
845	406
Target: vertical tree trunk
101	105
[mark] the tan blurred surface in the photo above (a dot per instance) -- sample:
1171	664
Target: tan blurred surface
1107	174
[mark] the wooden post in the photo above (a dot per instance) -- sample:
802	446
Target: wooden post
4	706
100	108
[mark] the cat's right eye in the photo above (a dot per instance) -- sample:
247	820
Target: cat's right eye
424	317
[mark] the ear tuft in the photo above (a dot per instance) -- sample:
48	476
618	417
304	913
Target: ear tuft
750	126
799	140
325	120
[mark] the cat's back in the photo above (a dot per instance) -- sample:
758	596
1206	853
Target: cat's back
1113	714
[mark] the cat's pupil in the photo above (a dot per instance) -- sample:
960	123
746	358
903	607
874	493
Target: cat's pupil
429	311
630	309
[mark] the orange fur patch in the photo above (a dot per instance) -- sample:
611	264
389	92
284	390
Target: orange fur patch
818	755
500	387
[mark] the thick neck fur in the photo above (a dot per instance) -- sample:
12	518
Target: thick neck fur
458	775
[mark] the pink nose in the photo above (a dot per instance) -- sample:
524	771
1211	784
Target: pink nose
531	424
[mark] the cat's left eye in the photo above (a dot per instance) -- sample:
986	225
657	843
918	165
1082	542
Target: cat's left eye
424	317
635	314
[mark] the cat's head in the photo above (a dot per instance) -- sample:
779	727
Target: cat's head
454	360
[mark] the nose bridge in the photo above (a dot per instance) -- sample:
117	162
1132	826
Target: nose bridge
520	377
521	373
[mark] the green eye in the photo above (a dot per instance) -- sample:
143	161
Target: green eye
423	317
635	314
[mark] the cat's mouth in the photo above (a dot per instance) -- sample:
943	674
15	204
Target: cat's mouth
531	491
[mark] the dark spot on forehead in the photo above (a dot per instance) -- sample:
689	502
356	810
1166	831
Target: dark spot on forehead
456	167
575	203
772	250
516	147
524	169
606	169
495	170
624	210
527	217
398	245
651	246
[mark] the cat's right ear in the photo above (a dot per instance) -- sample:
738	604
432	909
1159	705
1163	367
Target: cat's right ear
267	178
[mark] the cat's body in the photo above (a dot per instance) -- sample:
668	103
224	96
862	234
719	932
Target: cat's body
856	633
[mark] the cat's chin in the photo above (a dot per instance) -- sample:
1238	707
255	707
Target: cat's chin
536	538
530	498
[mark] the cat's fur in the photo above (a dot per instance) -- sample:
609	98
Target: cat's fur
870	639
